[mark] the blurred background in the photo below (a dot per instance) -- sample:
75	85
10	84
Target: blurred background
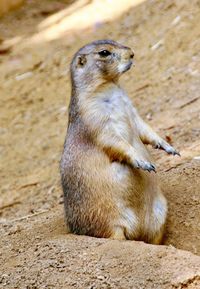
37	42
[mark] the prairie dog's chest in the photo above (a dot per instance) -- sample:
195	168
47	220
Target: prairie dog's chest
117	106
114	104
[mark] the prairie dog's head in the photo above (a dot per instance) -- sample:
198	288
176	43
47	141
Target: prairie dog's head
100	61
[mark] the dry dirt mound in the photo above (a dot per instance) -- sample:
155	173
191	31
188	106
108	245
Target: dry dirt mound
35	251
42	256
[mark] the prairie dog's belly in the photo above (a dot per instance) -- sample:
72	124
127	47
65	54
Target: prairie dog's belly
120	173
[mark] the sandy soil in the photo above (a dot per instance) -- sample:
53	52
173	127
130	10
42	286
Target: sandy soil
35	251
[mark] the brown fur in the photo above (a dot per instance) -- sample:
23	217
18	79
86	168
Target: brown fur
105	167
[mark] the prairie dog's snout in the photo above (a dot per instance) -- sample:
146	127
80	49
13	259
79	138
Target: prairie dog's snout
126	59
127	54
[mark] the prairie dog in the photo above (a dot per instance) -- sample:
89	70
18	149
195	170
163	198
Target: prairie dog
105	166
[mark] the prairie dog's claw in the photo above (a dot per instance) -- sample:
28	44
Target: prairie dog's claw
144	165
171	150
176	153
153	168
166	147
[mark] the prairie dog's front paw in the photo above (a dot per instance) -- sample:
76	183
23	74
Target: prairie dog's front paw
167	147
144	165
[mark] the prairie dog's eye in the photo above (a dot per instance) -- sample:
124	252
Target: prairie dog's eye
104	53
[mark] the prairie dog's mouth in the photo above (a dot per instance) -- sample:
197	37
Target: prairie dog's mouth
128	66
125	67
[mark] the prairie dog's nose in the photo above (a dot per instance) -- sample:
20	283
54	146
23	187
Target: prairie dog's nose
128	54
132	54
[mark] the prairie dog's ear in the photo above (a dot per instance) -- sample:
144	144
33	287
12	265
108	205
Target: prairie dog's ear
81	60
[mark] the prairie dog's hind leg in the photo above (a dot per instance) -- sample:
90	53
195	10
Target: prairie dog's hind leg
155	223
118	233
158	238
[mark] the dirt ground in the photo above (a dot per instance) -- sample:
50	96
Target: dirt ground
36	44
